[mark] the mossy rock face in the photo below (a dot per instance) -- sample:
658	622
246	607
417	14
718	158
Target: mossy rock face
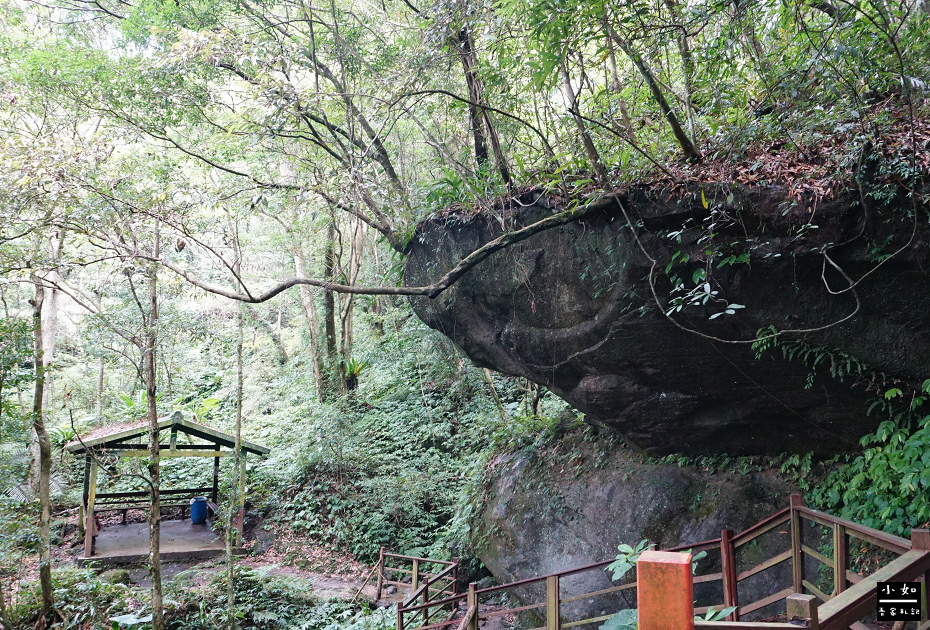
572	505
116	576
571	308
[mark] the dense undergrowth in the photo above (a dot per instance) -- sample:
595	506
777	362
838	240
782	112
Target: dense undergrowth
196	600
388	464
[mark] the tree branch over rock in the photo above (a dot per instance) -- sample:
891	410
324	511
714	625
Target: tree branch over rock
431	291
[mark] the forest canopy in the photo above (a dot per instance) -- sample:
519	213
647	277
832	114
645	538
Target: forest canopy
207	206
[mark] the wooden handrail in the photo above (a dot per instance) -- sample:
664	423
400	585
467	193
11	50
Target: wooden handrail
839	611
762	527
402	557
853	604
885	541
424	587
438	602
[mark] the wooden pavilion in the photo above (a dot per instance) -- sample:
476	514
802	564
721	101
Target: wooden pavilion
201	441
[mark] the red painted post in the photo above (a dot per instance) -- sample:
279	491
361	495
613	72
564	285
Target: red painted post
665	591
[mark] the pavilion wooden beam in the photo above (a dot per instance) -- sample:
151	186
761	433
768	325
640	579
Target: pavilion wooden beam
177	453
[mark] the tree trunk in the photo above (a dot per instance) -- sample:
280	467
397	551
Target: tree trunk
149	362
313	323
45	454
355	265
615	79
481	127
231	621
687	65
329	303
100	372
600	171
49	332
684	141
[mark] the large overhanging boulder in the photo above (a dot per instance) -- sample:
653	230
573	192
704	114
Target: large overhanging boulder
571	308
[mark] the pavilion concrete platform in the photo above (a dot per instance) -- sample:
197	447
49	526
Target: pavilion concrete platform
180	540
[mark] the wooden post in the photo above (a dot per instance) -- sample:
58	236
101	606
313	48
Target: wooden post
728	570
89	512
380	571
216	480
415	576
400	617
472	601
665	591
173	444
83	507
803	607
552	603
840	558
920	539
455	576
797	558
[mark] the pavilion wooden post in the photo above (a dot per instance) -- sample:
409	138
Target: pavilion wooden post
797	558
920	539
89	510
665	591
216	479
82	508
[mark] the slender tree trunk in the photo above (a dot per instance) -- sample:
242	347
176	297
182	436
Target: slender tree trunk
313	323
600	171
474	116
49	333
684	141
231	621
150	365
45	455
687	65
329	303
481	127
615	79
348	311
100	372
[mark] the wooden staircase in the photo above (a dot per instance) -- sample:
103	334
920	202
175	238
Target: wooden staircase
433	600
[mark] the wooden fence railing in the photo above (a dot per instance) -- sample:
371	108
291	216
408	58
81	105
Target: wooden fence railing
557	598
422	585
